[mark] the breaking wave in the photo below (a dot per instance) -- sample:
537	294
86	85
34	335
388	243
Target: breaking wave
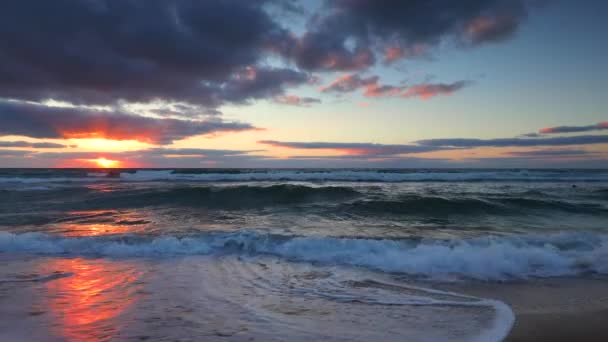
487	258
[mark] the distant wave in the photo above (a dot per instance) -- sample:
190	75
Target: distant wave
488	258
370	176
357	200
308	175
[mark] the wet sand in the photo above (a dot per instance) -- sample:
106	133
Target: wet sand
550	309
588	326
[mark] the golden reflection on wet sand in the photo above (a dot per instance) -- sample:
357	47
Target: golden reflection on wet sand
90	305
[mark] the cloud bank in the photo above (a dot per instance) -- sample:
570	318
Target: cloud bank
363	149
516	142
27	144
44	122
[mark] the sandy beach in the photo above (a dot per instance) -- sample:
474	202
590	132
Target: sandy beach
551	309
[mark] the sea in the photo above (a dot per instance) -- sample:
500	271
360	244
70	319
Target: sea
286	254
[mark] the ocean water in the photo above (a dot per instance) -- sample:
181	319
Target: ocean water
241	255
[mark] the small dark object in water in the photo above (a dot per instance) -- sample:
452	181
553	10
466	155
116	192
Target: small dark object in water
574	185
113	174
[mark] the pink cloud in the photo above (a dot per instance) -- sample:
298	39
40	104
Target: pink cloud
426	91
348	83
395	53
377	90
294	100
372	88
574	129
392	54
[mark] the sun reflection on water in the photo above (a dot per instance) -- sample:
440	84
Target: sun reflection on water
100	222
90	305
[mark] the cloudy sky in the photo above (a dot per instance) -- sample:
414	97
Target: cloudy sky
315	83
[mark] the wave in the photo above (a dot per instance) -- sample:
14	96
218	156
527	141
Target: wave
310	175
370	176
440	206
351	200
230	197
419	205
488	258
602	193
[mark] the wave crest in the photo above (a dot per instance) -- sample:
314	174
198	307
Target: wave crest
490	258
233	197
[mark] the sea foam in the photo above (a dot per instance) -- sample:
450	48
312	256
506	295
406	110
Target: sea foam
488	258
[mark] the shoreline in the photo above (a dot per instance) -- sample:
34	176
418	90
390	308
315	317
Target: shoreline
558	309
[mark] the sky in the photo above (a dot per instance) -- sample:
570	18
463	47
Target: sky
315	83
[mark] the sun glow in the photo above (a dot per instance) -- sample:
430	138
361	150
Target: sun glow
105	163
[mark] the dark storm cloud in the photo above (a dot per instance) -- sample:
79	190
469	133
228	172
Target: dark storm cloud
101	51
353	148
575	129
256	83
514	142
31	144
344	32
39	121
105	51
326	51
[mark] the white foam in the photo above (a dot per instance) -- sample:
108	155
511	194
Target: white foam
483	258
502	324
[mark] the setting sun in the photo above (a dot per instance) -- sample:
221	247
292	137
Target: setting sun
105	163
